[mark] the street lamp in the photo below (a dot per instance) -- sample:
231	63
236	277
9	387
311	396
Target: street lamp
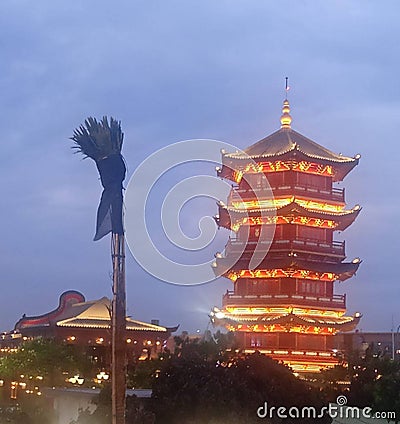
102	376
76	379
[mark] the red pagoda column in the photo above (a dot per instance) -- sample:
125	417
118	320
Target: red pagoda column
286	306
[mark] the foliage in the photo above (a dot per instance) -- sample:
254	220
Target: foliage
43	357
193	390
211	347
98	140
137	412
201	383
28	410
141	374
333	381
373	381
386	396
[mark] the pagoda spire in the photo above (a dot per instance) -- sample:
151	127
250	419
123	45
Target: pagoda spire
286	119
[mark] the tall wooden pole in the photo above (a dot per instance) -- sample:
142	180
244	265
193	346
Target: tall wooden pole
118	328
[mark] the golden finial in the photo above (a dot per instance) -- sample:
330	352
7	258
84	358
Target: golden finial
286	119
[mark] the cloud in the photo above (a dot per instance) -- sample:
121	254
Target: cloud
171	71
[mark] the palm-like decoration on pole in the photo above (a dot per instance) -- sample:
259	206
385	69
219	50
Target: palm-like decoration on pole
102	142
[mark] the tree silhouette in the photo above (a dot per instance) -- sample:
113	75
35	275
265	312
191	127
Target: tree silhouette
193	390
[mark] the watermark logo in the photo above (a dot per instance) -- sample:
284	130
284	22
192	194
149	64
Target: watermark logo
334	410
177	263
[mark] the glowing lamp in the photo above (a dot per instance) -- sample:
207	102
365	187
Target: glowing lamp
220	315
102	376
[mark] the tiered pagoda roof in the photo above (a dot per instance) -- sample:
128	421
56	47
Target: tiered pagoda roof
291	320
288	144
332	271
229	215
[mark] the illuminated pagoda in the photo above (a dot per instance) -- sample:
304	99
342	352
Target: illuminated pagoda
285	306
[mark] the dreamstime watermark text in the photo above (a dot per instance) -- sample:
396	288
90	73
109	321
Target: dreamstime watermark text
334	410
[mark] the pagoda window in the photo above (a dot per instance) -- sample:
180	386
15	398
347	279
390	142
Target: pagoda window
258	286
265	340
329	343
256	180
256	340
317	288
288	286
276	180
278	232
287	340
284	232
281	179
241	287
271	340
311	233
329	288
310	342
311	180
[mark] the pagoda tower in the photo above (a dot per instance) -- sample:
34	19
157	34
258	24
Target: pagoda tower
285	306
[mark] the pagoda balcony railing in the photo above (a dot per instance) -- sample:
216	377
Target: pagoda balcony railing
334	193
310	355
336	248
337	301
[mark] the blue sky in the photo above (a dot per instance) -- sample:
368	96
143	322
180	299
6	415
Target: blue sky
177	70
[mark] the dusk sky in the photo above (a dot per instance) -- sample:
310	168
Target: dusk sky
177	70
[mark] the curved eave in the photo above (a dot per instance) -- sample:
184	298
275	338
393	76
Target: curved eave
172	329
294	152
343	270
238	161
228	214
46	319
131	325
343	324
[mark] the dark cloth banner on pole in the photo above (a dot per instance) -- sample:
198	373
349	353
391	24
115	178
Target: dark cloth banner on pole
112	172
102	142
